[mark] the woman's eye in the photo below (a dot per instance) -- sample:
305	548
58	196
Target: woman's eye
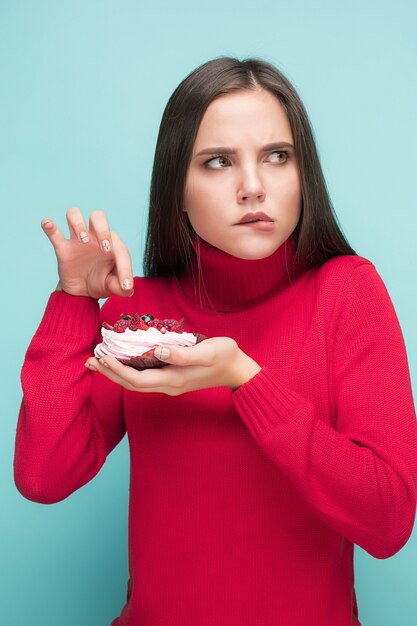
219	162
216	162
278	156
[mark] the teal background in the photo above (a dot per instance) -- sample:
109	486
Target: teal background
83	86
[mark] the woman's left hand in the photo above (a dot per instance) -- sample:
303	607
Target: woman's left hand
214	362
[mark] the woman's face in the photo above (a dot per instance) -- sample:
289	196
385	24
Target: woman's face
243	163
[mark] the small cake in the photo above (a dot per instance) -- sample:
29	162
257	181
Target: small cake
132	339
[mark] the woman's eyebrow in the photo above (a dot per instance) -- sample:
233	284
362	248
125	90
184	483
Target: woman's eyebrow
227	150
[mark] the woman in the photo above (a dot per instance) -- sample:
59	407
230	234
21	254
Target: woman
298	440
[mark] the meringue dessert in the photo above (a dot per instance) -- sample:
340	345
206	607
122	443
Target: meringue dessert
132	339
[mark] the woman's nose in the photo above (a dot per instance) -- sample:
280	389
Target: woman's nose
250	188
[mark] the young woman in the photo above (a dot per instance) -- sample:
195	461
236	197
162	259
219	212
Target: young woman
298	439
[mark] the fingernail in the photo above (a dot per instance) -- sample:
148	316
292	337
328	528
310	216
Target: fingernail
106	245
84	236
46	222
162	353
101	361
90	367
127	283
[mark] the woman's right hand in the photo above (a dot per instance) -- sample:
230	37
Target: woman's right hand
93	262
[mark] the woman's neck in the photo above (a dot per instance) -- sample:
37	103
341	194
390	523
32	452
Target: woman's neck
220	281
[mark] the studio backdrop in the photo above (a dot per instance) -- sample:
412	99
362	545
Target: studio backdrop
83	87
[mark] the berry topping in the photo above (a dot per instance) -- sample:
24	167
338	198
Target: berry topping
121	325
156	323
137	323
170	325
174	326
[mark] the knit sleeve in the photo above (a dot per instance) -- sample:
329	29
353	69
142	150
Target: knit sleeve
359	474
70	418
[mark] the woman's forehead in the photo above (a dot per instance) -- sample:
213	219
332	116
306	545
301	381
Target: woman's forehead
244	114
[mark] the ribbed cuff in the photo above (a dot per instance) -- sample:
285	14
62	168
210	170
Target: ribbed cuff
74	316
263	402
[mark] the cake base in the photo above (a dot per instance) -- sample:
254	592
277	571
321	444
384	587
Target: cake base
148	360
143	362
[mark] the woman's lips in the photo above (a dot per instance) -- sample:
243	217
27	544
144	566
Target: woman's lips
260	225
257	220
254	217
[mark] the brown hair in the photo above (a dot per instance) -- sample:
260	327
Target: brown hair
317	236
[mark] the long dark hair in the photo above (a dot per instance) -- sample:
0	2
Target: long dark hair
317	236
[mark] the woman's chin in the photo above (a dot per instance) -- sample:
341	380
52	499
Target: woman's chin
253	251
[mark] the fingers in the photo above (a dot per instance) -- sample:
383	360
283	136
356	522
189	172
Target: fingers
203	353
109	242
128	377
119	280
99	227
123	264
52	231
213	362
76	224
98	365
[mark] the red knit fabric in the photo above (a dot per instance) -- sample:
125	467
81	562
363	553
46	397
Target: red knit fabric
244	506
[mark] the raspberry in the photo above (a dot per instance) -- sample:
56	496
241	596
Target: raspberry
175	326
120	326
170	325
137	323
155	323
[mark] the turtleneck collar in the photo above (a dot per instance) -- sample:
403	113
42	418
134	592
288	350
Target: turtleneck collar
220	281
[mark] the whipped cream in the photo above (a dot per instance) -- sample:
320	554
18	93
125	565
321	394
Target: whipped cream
133	343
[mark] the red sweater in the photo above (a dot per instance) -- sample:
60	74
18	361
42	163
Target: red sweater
244	505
